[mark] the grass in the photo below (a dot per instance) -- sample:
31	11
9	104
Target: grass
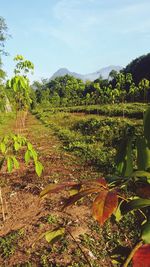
6	123
9	243
129	110
92	137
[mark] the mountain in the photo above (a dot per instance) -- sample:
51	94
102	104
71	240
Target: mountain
104	72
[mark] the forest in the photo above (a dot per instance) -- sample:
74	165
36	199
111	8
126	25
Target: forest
74	167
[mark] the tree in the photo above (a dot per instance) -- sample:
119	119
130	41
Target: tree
133	91
68	88
3	37
55	100
139	68
3	34
123	82
19	84
113	74
144	85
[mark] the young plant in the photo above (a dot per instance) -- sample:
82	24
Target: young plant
10	146
19	84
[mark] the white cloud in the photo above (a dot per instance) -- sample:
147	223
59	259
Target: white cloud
80	23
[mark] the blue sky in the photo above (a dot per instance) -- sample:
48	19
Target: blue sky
81	35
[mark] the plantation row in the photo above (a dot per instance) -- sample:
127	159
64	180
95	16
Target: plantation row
70	91
134	110
94	138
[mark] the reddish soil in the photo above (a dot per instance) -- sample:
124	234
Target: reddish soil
27	214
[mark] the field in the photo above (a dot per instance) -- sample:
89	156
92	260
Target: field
95	138
128	110
72	147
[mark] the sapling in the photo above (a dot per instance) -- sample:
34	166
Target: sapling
11	144
19	84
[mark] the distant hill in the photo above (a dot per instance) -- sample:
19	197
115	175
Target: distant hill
139	68
104	72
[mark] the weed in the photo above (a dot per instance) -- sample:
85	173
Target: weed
52	219
9	242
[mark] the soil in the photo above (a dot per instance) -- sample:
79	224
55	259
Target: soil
28	216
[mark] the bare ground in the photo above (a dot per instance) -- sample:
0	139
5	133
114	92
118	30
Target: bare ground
29	217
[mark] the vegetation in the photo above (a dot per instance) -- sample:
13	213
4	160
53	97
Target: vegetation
91	137
134	110
139	68
69	91
110	198
94	140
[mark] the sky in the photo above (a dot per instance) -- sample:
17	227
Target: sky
81	35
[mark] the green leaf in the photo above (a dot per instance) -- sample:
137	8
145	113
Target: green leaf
16	163
38	168
53	236
146	125
29	145
73	191
2	162
27	156
134	204
16	146
118	213
143	154
23	82
142	174
3	147
146	232
33	153
124	160
10	164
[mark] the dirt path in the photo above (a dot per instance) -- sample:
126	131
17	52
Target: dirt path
28	217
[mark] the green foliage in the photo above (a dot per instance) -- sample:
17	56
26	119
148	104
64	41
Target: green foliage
134	110
19	84
119	196
146	232
135	204
68	91
53	236
9	242
95	139
139	68
143	154
51	219
10	146
38	167
89	126
3	34
146	125
124	161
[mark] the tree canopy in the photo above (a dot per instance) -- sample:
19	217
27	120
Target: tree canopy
139	68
